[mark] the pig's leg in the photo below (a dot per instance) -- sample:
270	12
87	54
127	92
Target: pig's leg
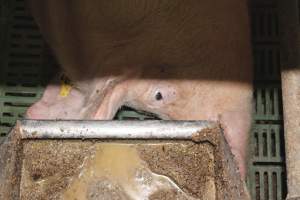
236	127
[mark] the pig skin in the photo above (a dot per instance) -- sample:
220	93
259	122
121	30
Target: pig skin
182	60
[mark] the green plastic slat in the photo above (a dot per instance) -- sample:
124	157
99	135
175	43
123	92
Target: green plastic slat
267	182
262	185
126	113
266	62
23	65
266	177
268	102
17	73
266	142
265	23
3	131
259	102
21	90
19	109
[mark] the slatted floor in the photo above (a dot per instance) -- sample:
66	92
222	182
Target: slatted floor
267	177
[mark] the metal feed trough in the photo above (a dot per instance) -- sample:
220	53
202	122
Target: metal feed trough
118	160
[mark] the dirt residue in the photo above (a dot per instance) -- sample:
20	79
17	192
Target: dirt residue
10	165
167	195
207	135
187	164
49	165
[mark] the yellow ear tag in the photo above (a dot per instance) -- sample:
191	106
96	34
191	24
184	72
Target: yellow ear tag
66	86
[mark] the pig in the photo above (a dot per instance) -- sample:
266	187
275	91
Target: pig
181	60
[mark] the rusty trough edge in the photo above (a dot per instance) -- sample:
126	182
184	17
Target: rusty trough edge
92	129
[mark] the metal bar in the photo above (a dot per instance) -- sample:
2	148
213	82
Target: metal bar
155	129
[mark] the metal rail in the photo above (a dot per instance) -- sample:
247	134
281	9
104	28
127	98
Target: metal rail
155	129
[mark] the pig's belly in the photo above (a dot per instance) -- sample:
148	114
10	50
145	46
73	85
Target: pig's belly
103	38
178	59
